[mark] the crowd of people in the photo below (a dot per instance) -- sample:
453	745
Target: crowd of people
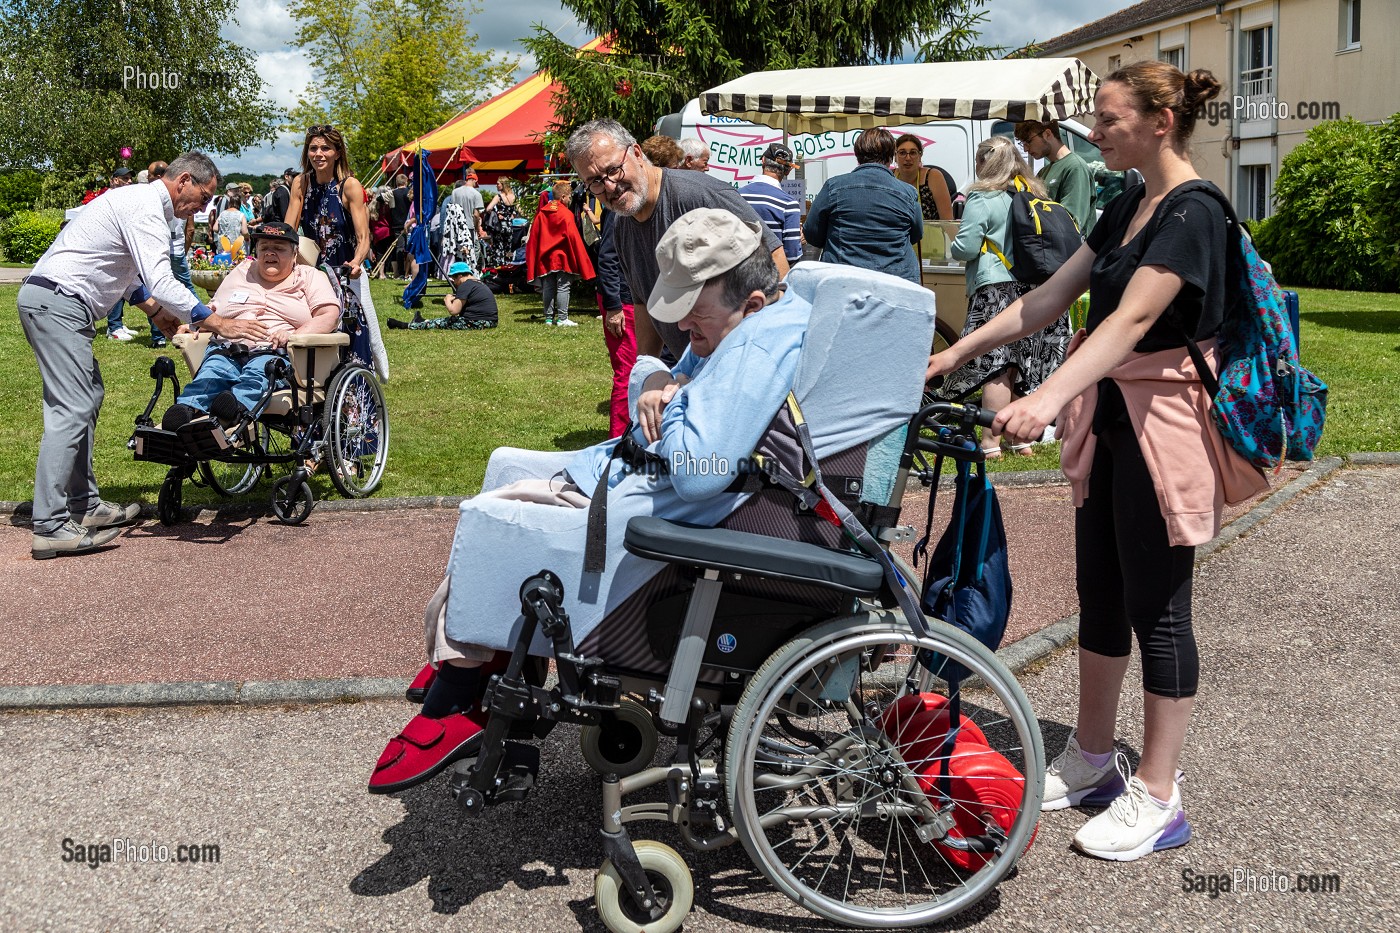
692	271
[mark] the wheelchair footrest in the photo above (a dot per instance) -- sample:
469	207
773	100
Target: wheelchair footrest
514	780
203	439
158	446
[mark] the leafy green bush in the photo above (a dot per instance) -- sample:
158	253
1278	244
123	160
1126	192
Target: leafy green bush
1384	199
19	190
1324	232
25	236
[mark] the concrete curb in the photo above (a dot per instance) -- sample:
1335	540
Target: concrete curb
1016	656
211	693
23	510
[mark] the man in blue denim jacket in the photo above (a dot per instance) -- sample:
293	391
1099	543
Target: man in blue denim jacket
868	218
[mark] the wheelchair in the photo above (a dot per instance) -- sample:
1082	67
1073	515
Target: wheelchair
805	697
324	404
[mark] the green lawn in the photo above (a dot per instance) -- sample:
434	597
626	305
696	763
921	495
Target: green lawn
1352	341
455	396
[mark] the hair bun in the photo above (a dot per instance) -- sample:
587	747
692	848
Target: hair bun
1201	86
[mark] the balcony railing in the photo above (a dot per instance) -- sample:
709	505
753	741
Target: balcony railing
1257	82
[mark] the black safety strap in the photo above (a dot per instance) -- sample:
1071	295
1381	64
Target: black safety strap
816	495
637	457
921	547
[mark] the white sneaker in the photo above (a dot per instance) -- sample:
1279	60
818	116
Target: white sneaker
1134	825
565	322
1070	781
121	333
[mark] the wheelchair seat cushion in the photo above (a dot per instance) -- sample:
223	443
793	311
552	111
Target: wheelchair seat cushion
738	551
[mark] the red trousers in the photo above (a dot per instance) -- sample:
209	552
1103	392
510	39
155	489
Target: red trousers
622	353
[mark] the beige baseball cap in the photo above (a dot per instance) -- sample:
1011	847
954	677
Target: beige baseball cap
700	245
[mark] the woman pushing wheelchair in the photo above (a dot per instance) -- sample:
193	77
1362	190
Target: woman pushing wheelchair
1148	471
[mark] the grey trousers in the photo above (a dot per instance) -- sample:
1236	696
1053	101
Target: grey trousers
61	330
554	288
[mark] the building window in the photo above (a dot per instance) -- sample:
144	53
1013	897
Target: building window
1351	24
1256	191
1257	71
1175	57
1114	63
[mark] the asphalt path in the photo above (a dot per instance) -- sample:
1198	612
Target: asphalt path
1291	771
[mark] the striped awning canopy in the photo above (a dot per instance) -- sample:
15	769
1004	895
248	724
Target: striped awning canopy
814	100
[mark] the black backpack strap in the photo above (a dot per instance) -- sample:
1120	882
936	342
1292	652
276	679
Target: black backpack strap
1208	376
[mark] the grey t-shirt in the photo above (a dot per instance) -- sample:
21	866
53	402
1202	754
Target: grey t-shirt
682	191
470	200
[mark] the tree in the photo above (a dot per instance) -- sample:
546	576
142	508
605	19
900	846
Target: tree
1324	231
958	37
388	71
665	52
80	79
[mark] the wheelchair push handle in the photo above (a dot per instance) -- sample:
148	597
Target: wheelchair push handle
952	414
952	428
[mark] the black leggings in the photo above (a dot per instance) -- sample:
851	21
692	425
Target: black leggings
1129	577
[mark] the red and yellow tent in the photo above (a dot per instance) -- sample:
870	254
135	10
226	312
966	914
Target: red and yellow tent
498	137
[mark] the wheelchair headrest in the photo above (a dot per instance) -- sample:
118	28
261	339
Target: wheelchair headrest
866	349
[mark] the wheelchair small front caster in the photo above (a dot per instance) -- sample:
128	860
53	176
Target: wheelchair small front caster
169	500
670	879
291	499
471	801
623	743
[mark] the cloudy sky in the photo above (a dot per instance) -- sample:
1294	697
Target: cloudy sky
264	27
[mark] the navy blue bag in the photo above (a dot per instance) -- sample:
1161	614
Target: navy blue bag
968	582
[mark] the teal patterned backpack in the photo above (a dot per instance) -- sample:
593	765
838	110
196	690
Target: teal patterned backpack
1266	405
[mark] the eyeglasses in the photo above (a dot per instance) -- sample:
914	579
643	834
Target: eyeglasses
318	129
598	184
907	152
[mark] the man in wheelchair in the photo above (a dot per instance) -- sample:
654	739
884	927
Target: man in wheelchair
258	307
695	427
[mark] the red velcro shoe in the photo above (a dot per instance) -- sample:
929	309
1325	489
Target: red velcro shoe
423	748
419	688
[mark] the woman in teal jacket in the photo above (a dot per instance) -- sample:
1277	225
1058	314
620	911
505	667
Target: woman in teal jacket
984	242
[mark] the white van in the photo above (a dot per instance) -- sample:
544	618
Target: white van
736	147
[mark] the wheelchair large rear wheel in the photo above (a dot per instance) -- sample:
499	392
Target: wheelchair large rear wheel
355	428
849	812
235	477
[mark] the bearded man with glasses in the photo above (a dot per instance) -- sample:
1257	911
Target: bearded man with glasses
648	200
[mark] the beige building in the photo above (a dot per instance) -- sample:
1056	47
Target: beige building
1286	65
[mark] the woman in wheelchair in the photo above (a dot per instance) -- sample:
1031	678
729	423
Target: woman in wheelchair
260	304
695	425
